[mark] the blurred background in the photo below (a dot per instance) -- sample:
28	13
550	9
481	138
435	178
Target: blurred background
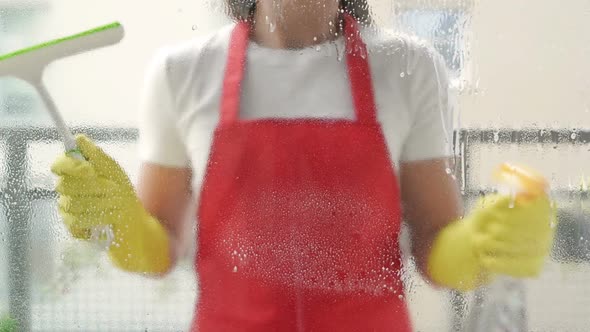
522	78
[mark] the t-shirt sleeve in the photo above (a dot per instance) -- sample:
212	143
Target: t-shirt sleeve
160	141
432	109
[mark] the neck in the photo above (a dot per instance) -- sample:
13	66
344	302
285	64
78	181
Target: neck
294	25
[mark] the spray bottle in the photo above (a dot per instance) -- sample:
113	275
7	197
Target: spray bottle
501	307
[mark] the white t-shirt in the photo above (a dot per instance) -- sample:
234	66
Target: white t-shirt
180	102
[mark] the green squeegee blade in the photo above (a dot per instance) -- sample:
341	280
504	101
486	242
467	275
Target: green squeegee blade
60	40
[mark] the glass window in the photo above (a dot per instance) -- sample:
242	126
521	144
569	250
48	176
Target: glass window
445	28
17	25
531	106
3	260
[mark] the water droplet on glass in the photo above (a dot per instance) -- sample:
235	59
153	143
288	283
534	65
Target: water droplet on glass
195	27
339	54
512	199
496	137
583	184
402	74
363	53
573	135
235	270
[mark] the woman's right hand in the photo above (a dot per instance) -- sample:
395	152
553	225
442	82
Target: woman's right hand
94	192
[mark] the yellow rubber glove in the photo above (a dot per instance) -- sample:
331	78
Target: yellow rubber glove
97	192
498	237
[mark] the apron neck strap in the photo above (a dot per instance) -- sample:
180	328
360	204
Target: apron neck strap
359	73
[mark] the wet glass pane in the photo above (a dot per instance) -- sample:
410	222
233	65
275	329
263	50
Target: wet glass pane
568	265
517	90
3	260
3	163
444	28
76	288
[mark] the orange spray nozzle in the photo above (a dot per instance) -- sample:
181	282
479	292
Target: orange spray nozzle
527	182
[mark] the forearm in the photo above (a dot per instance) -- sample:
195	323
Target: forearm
165	194
421	249
431	203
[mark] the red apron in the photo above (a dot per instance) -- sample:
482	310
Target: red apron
299	219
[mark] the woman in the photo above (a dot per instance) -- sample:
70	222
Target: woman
298	135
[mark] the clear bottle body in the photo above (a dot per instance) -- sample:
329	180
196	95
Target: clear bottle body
501	306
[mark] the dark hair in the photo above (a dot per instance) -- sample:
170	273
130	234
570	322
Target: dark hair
358	9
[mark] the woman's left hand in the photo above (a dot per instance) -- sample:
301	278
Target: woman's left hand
513	237
499	237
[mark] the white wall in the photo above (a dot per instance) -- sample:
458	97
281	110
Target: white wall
531	57
532	61
102	87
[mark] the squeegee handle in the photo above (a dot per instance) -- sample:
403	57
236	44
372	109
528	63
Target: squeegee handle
102	236
62	129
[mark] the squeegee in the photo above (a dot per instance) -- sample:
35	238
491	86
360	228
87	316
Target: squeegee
29	64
